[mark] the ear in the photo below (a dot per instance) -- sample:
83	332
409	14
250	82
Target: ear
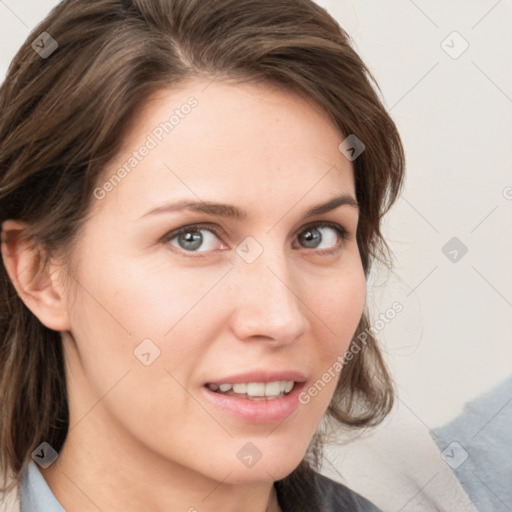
40	288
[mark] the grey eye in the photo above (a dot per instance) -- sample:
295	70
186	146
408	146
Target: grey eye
314	236
311	238
191	240
194	239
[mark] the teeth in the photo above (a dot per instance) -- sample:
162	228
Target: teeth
273	388
240	388
254	389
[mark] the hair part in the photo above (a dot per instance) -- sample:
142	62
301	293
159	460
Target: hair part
65	117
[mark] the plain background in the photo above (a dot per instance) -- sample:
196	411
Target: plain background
452	340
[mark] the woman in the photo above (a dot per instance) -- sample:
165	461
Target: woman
191	194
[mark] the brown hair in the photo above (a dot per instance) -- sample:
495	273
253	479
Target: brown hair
64	117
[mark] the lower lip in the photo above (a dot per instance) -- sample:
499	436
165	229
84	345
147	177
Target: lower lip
257	411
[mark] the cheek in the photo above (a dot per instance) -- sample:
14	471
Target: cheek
143	297
340	305
127	303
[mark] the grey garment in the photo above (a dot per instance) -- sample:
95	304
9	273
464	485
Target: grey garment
306	490
335	497
477	445
35	495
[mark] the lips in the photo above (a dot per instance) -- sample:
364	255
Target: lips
261	411
259	376
256	409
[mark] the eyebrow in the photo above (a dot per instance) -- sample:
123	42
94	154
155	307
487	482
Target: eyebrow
231	211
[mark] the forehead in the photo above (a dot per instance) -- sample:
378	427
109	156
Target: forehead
224	139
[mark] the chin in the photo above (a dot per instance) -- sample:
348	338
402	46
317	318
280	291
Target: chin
276	466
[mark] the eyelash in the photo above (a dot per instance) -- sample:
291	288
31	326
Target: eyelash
342	232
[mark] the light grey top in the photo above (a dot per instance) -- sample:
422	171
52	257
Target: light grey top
479	446
35	495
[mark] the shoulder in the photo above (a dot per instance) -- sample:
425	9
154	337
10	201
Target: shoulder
334	495
10	499
308	490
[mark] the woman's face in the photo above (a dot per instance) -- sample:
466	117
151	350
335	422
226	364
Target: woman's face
159	315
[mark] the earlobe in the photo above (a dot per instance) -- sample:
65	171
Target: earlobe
37	285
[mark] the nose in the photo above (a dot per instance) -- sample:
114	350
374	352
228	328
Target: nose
268	301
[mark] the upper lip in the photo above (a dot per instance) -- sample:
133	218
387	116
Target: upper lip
260	376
